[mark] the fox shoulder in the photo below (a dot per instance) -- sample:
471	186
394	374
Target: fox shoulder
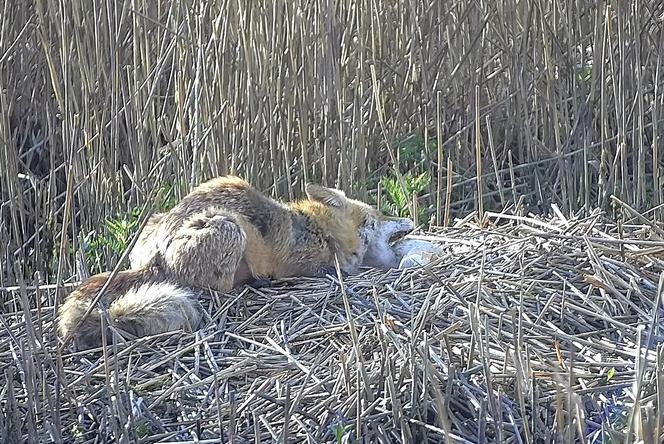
224	183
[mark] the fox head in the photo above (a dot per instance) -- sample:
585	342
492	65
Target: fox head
362	234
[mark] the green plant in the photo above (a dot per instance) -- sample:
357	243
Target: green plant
411	152
116	232
76	431
143	429
342	433
396	199
585	74
167	197
111	240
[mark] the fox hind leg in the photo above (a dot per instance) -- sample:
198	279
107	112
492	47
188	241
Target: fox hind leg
206	250
147	243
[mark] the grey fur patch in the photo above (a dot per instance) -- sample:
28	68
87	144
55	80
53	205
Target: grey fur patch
154	308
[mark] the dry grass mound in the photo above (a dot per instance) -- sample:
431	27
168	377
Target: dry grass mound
523	330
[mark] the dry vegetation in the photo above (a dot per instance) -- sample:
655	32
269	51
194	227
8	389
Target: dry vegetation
530	331
109	108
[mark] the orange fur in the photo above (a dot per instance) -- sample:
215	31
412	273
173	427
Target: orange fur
226	233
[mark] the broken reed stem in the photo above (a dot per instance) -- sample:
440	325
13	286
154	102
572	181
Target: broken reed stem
284	95
478	155
272	361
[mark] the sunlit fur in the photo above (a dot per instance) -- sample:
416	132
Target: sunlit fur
226	233
136	302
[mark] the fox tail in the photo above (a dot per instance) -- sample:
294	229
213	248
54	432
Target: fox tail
135	304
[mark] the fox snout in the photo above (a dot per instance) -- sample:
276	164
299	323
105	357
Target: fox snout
380	253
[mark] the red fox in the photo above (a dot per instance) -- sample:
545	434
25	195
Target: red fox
223	234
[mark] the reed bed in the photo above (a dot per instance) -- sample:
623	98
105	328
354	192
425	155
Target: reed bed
522	330
526	329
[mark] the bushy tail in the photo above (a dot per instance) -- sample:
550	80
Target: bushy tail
153	308
135	305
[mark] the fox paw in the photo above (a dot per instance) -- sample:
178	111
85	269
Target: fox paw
204	221
332	271
259	282
217	221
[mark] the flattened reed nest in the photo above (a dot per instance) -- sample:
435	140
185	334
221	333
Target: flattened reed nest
523	330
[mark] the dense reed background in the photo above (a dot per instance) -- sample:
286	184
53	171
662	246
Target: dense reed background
109	107
555	101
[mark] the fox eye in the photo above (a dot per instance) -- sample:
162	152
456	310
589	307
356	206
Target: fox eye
367	228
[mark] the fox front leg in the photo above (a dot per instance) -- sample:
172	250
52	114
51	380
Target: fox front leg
331	270
259	282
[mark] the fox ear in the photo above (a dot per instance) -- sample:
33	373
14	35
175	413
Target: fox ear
328	196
